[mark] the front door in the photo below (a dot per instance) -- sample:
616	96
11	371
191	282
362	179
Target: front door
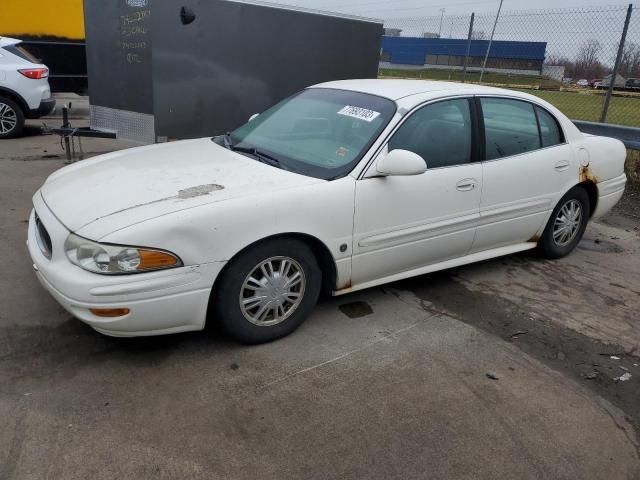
403	223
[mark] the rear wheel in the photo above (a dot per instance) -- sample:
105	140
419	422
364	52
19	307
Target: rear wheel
268	291
11	118
567	224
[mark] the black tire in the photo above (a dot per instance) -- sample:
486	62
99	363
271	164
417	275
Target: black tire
548	245
14	112
231	286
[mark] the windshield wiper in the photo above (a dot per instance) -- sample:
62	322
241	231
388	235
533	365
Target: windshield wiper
260	156
228	142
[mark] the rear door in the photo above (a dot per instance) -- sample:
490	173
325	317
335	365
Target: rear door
526	166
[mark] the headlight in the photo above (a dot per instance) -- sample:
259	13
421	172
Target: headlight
116	259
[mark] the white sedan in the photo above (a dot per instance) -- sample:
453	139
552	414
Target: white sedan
343	186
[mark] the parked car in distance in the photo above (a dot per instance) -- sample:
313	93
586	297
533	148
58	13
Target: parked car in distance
594	82
632	84
24	88
582	83
343	186
619	82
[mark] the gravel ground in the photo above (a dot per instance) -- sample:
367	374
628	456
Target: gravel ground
629	206
591	356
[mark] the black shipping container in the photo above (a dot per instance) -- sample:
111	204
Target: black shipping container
173	69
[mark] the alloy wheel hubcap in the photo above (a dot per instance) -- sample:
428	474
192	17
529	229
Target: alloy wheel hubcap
272	291
567	223
8	118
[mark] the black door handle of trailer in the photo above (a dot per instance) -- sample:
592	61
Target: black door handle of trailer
186	15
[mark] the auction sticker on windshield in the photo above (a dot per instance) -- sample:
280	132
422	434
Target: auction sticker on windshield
359	113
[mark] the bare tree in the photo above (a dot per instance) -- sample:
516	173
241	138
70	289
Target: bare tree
587	63
630	62
478	35
556	59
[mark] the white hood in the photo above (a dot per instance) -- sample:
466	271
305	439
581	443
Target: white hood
130	186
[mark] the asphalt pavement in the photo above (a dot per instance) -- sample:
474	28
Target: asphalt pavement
500	370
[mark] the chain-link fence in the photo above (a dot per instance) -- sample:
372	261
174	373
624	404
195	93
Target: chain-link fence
566	56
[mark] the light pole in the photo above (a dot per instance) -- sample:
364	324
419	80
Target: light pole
441	18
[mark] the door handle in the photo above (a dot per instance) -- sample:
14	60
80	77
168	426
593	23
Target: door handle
562	165
466	185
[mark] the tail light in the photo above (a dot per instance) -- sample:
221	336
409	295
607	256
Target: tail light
35	73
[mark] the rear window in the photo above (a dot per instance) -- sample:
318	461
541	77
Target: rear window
19	51
550	132
510	126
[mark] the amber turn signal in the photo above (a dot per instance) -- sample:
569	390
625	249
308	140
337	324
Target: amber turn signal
109	312
150	259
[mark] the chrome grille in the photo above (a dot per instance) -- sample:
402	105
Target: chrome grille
43	238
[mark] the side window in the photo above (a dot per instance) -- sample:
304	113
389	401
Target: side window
20	51
510	127
549	130
440	133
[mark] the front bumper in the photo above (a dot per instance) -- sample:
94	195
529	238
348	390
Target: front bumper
160	302
45	108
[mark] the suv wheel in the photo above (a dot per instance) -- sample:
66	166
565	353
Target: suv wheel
11	118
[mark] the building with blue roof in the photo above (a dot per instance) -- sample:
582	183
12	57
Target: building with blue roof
449	53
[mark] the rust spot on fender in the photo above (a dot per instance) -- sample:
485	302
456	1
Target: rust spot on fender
344	288
586	175
534	239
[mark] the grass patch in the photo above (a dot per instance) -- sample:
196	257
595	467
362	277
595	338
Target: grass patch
588	106
456	76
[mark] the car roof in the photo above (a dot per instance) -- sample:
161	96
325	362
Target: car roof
395	89
5	41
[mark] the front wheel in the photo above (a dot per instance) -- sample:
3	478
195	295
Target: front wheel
268	291
567	224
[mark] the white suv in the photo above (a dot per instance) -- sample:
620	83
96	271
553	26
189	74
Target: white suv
24	88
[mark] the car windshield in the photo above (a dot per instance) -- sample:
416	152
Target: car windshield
318	132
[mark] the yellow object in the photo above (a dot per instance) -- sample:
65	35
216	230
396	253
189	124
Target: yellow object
42	18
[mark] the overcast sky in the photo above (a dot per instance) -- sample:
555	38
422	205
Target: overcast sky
384	9
565	25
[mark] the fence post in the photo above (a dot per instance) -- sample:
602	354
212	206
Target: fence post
493	31
466	55
616	66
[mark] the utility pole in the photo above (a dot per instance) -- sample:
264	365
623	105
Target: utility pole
493	31
441	18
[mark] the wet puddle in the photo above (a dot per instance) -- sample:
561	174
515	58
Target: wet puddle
356	309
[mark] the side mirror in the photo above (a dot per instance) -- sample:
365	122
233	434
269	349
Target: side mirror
400	162
253	116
